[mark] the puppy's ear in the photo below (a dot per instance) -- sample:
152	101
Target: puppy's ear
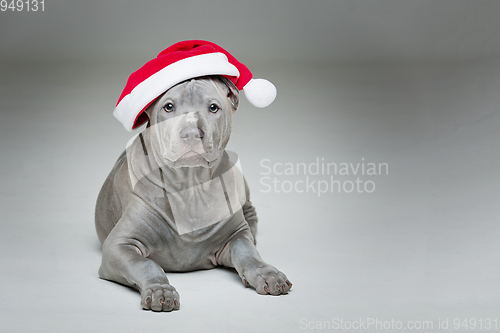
147	114
233	93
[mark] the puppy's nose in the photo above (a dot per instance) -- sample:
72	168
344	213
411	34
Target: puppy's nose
191	135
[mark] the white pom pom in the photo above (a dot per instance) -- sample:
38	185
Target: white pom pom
260	92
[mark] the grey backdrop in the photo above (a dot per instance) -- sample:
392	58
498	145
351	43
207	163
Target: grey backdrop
414	84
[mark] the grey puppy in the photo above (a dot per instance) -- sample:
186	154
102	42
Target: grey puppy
176	201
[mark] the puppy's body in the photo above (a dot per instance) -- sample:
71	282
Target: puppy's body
157	236
176	201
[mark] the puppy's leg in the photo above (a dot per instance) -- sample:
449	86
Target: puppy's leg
124	260
250	214
251	218
266	279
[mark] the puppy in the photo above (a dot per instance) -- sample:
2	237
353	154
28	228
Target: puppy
176	201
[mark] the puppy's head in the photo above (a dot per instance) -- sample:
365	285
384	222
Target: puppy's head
190	124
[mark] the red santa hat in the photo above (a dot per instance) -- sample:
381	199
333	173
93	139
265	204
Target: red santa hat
180	62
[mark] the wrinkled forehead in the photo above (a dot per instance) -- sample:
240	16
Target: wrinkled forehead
197	90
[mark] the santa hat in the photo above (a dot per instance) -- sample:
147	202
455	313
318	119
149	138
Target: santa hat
180	62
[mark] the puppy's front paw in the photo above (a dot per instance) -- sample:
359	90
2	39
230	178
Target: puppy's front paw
160	297
266	279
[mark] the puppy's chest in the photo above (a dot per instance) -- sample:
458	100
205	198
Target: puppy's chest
197	249
198	206
198	219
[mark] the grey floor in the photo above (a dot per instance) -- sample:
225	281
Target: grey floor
423	246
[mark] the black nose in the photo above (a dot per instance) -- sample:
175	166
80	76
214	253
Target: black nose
191	135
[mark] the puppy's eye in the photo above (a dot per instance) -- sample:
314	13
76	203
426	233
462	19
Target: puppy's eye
213	108
169	107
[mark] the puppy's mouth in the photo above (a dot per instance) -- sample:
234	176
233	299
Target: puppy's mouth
191	159
190	153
